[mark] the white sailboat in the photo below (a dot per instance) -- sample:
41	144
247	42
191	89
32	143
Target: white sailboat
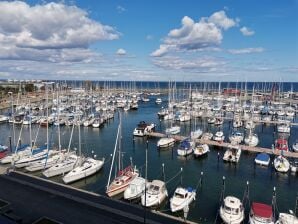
87	167
281	164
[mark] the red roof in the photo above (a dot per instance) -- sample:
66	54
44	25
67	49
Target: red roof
262	210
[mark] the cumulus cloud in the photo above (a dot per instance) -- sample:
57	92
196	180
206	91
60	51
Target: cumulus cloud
48	31
246	31
246	50
121	51
206	33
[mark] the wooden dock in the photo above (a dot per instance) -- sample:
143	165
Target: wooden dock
228	145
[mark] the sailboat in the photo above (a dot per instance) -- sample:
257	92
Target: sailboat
66	164
124	176
87	167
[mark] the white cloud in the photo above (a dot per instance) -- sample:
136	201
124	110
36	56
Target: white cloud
246	50
121	51
220	19
198	64
120	9
206	33
246	31
48	32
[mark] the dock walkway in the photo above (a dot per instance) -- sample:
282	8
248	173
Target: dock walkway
227	145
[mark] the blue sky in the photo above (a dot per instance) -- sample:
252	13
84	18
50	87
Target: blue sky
150	40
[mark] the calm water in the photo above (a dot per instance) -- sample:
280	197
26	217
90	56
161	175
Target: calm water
101	141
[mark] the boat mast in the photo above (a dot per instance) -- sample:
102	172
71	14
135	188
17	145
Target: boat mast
113	158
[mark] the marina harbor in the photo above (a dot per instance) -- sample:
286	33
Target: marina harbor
168	153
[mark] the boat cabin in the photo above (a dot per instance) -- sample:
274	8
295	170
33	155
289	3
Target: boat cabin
232	206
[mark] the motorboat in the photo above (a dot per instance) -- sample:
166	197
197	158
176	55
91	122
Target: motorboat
174	130
236	137
155	194
186	147
196	134
232	211
219	136
232	155
249	124
88	167
63	167
182	197
207	136
165	142
281	164
122	180
286	218
135	189
262	159
143	128
158	100
261	214
201	150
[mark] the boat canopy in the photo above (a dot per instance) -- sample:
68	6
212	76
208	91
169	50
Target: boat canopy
262	210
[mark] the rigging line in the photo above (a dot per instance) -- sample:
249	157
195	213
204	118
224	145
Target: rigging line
175	176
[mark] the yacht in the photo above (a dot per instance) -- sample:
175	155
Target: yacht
286	218
165	142
251	140
45	163
201	150
236	137
281	164
88	167
155	194
196	134
232	211
262	159
135	189
232	155
143	128
207	136
284	128
219	136
158	100
261	214
121	182
174	130
186	147
65	166
182	198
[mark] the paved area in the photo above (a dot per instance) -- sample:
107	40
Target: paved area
32	198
